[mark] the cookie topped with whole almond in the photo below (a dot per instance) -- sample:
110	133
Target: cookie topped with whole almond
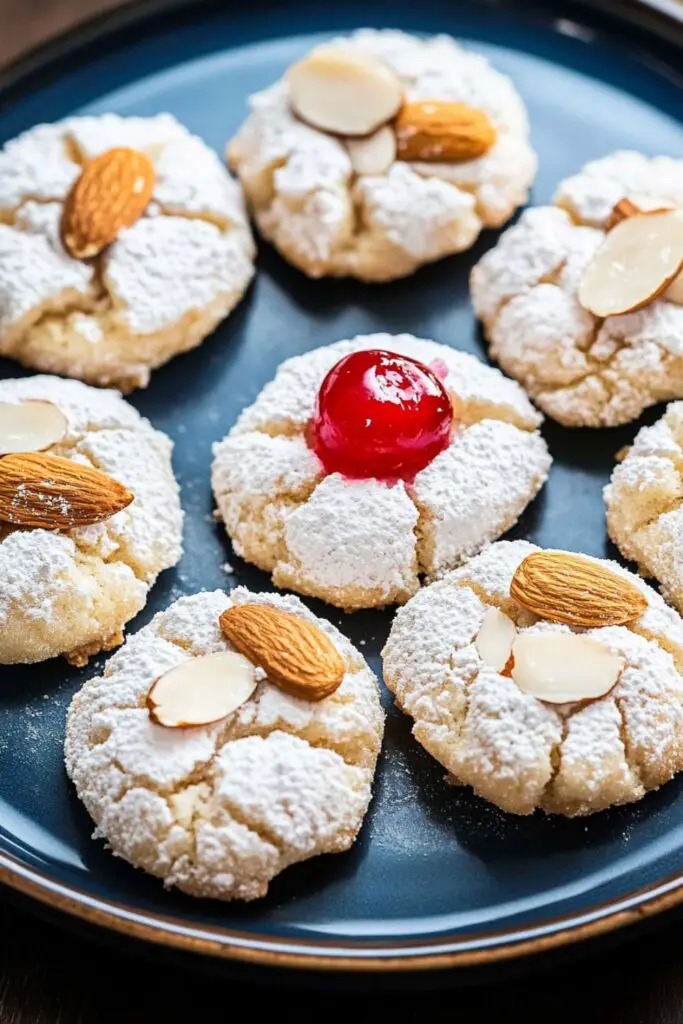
231	737
582	301
368	464
543	679
89	516
123	241
379	152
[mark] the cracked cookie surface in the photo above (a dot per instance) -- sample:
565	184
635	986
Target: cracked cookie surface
71	592
157	290
513	749
365	543
327	220
580	369
219	810
644	501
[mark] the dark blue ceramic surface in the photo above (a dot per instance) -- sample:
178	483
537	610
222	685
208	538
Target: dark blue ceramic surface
435	870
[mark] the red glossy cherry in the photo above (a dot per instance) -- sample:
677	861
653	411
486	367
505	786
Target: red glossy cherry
380	415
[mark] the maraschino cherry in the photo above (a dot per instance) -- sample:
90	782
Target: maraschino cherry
380	415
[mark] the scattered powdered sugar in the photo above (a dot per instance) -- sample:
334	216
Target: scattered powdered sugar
63	591
307	200
581	370
510	747
167	280
364	543
220	810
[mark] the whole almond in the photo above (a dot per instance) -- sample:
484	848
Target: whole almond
112	192
561	587
444	132
294	653
51	493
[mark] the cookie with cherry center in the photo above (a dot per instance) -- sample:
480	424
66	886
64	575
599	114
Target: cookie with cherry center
367	465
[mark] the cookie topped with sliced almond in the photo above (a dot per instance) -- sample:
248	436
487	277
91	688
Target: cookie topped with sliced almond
381	151
123	241
231	737
582	300
89	516
543	679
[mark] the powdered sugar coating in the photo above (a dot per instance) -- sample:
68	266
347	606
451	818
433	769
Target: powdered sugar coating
581	370
159	289
644	502
72	592
512	748
329	221
359	544
220	810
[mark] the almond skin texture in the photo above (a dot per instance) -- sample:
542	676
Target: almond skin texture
620	211
442	132
566	588
112	192
50	493
295	655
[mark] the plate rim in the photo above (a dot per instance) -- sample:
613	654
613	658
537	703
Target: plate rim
23	73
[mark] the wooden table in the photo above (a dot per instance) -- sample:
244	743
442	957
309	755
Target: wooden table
48	976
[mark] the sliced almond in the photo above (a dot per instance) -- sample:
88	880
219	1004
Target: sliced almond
561	668
562	587
344	91
294	653
632	206
112	192
674	293
374	154
443	132
30	426
637	261
51	493
494	639
201	690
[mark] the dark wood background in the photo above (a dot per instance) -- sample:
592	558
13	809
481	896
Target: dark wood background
49	976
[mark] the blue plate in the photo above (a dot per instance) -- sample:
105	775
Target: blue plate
437	877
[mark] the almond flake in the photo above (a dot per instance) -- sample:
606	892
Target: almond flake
30	426
201	690
674	293
637	261
344	91
562	668
495	638
374	154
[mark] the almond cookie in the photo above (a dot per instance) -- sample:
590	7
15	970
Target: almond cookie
644	502
543	679
368	463
580	300
123	241
380	152
243	778
89	516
